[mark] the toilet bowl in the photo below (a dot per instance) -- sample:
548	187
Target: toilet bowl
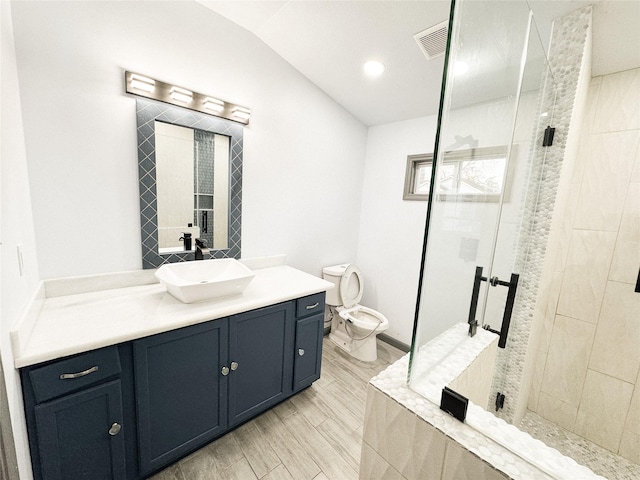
353	326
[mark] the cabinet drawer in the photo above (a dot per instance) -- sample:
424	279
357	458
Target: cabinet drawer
310	305
73	373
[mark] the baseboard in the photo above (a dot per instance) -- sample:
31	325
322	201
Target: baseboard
393	342
385	338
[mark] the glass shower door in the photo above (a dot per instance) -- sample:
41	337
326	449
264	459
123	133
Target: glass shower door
490	110
509	306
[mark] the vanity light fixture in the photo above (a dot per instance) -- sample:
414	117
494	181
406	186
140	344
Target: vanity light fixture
147	87
214	104
241	113
181	95
142	83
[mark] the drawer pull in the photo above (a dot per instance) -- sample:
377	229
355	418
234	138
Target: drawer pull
115	429
67	376
301	351
311	307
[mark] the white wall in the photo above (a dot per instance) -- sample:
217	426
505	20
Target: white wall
16	229
391	229
302	151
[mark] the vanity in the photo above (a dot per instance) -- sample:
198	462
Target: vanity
120	379
121	376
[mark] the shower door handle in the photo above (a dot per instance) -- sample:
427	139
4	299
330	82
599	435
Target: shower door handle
204	222
473	323
508	309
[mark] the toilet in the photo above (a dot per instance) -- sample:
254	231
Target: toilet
353	326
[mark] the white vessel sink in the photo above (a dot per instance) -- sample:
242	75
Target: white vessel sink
204	279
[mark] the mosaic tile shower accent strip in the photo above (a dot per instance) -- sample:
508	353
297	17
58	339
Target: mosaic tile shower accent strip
566	52
204	162
147	112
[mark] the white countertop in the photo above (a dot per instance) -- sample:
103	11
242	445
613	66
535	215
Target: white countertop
74	323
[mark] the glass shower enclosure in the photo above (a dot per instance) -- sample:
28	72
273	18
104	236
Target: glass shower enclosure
489	167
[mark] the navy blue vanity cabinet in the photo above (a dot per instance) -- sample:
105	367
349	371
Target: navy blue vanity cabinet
181	391
78	437
308	340
127	411
75	416
260	360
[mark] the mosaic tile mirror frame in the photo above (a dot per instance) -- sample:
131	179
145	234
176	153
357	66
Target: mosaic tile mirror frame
147	112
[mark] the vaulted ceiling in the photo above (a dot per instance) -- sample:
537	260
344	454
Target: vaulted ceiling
329	41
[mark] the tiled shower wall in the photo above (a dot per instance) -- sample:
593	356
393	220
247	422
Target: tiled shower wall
588	362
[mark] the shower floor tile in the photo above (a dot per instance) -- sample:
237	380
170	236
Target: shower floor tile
600	460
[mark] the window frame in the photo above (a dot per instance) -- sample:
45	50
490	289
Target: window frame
458	156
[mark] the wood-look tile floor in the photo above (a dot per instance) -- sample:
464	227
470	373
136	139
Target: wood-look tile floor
315	435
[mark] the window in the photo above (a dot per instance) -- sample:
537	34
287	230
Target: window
465	175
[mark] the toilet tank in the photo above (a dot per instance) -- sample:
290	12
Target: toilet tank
333	274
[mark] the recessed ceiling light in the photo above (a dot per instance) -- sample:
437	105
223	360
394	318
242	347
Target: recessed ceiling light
460	67
373	68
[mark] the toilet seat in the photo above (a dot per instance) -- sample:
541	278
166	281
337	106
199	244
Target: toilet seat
351	288
364	318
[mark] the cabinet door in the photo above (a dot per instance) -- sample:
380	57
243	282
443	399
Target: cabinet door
260	355
180	390
308	351
74	436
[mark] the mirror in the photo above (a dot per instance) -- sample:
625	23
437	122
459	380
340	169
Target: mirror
192	184
190	170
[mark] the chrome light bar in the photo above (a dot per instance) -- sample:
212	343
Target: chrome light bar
143	86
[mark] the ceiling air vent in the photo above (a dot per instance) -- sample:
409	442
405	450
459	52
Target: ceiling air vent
433	41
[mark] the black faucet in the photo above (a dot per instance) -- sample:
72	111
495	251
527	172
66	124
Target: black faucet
201	249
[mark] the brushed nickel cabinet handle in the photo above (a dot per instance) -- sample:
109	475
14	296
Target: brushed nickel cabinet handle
311	307
67	376
225	371
301	351
234	365
115	429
